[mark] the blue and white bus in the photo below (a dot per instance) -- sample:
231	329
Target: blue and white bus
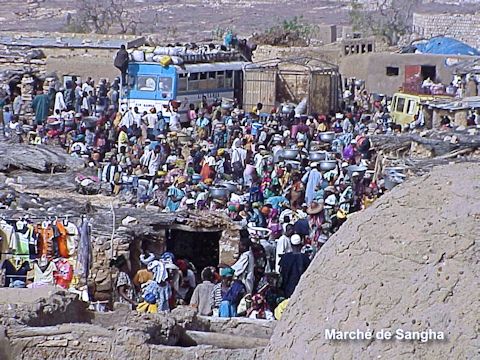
152	85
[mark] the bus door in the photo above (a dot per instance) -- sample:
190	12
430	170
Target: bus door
238	86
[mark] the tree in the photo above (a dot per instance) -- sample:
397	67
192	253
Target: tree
289	32
102	16
388	18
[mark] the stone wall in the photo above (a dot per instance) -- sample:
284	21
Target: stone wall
330	53
127	239
463	27
85	341
123	334
372	68
96	63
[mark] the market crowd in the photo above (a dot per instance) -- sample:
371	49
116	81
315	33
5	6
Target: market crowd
289	179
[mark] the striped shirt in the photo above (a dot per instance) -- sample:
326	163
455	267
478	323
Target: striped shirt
217	295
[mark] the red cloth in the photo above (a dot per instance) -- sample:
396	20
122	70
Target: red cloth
64	274
182	265
207	172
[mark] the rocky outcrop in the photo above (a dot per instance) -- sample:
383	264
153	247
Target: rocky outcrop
408	262
48	323
36	158
41	307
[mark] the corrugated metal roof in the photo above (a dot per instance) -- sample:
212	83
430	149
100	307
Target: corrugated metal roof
61	42
456	104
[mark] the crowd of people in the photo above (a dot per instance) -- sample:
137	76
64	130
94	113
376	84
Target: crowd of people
253	165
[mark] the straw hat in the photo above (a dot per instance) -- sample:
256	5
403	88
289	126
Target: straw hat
181	179
341	214
314	208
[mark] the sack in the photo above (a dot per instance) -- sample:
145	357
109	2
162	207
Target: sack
176	60
149	56
165	60
159	50
138	55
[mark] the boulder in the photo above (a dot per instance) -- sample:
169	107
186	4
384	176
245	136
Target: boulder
408	262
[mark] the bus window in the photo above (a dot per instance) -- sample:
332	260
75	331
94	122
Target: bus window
165	87
400	105
146	83
229	79
193	81
182	82
220	79
203	85
411	107
212	80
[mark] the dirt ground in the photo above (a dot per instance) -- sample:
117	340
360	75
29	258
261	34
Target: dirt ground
194	20
178	16
409	262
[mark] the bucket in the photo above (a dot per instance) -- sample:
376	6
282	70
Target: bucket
391	181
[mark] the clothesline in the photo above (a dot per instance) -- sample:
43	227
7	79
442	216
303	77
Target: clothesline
11	253
49	217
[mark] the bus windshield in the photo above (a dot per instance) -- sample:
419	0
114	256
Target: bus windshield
146	83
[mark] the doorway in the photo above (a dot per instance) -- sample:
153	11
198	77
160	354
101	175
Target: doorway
144	244
200	248
428	71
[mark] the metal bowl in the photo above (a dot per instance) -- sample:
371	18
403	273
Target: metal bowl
327	137
391	181
314	145
219	192
290	154
327	165
196	178
90	122
356	168
230	185
295	164
183	138
259	232
394	170
317	155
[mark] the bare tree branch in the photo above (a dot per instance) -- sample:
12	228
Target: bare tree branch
388	18
103	16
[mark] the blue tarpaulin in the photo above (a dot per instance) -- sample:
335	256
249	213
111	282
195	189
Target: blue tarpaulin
445	46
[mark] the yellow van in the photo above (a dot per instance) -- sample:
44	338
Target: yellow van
405	106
